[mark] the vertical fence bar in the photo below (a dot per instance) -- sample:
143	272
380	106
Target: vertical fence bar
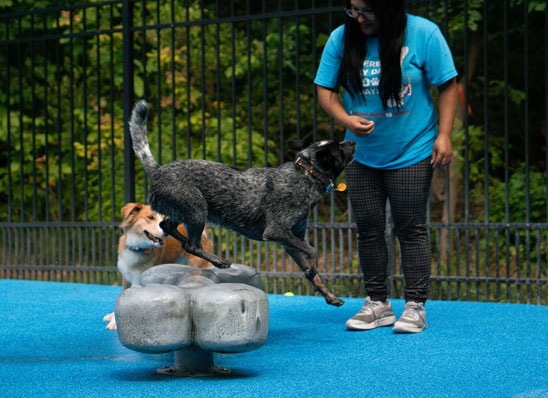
314	68
59	157
260	245
27	263
172	48
297	96
546	101
477	261
466	137
21	128
112	116
265	89
518	265
298	72
527	140
506	152
218	79
233	81
546	115
281	82
33	123
144	75
486	140
497	265
3	272
159	82
438	262
99	154
249	91
8	123
45	264
539	266
202	82
72	133
128	100
85	105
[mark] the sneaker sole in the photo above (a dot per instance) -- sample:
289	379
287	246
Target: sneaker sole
368	326
407	328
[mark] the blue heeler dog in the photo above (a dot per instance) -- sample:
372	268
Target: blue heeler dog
265	204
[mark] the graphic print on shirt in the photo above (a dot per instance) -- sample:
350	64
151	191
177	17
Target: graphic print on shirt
371	78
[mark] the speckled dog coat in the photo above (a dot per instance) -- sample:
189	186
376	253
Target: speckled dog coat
265	204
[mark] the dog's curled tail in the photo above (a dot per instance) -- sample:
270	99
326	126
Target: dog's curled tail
138	129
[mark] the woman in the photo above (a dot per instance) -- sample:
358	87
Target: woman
386	61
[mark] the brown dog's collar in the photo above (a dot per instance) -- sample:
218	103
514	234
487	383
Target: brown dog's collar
141	250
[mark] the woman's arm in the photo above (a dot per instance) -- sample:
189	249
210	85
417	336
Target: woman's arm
331	103
442	152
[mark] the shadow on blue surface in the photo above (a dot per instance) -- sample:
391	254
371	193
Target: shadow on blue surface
54	344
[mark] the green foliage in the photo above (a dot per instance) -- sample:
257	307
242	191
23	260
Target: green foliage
64	112
519	187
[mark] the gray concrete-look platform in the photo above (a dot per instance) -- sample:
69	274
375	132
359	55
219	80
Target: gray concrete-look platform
194	313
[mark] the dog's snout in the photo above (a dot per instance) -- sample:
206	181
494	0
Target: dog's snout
349	146
349	142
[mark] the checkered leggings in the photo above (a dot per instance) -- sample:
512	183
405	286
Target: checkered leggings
408	190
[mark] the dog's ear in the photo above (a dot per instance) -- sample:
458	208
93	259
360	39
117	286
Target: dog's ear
323	155
131	208
128	210
297	145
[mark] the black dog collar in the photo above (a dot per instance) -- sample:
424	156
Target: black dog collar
314	172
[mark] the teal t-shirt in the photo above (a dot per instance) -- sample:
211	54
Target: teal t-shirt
404	136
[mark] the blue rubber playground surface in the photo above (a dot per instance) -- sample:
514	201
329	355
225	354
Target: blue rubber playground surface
53	343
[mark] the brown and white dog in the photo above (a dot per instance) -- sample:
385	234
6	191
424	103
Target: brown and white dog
144	244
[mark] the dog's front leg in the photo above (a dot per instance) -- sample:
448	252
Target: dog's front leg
311	274
305	257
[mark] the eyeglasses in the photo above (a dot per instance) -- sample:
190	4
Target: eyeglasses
367	14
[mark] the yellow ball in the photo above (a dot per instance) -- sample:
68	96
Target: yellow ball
288	294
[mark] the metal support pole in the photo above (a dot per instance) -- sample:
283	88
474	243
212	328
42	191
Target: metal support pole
193	362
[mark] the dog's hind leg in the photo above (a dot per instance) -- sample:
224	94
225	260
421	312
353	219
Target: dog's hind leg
305	257
194	245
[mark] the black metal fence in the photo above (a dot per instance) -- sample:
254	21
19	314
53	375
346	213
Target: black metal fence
231	81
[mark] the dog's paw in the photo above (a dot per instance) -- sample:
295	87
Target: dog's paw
111	321
112	325
337	302
223	264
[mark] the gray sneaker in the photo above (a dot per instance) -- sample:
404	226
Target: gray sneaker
372	315
413	319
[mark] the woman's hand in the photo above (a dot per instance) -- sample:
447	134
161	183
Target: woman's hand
442	152
358	125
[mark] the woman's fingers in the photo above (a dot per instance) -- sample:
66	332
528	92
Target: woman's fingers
361	126
441	159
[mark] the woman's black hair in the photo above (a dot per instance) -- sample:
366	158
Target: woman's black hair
392	21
